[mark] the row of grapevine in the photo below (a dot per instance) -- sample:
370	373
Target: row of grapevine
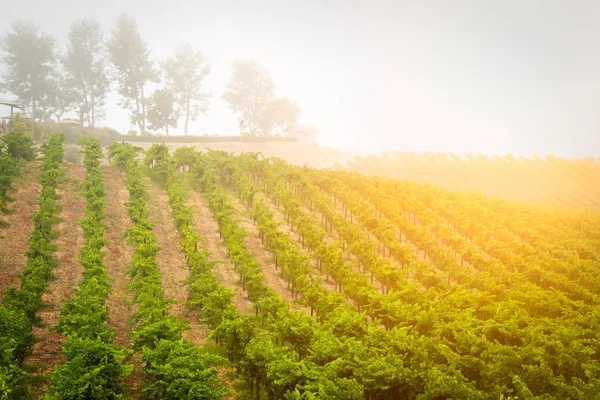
95	366
489	273
441	257
19	308
15	148
286	328
563	233
175	367
552	181
268	359
330	256
441	242
254	353
346	343
400	317
486	338
520	257
544	305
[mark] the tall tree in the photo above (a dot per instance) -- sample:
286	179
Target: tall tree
30	60
185	72
129	55
85	65
161	111
61	97
281	113
249	93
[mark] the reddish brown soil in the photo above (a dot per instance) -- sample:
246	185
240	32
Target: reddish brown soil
208	229
47	351
14	238
118	255
171	261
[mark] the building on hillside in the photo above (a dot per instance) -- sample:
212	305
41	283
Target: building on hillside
12	105
69	121
21	116
7	121
306	134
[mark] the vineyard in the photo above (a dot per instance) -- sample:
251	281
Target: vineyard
553	181
182	274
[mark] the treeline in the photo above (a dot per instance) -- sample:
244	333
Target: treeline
51	82
19	306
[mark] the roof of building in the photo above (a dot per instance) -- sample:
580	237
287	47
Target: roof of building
69	121
9	103
304	128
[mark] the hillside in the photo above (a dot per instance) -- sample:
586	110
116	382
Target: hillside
549	181
294	153
227	276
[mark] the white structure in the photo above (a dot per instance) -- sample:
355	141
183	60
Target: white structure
306	134
22	116
69	121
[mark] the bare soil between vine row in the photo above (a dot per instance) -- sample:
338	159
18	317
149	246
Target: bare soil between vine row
47	351
14	238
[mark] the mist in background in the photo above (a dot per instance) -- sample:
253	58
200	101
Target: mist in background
461	76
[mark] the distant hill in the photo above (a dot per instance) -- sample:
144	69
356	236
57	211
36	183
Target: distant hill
549	181
294	153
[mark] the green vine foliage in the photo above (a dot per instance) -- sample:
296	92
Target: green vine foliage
175	367
95	366
429	327
15	149
257	351
19	308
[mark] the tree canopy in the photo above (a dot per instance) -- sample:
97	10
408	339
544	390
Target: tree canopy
251	94
85	68
130	58
51	81
185	73
30	64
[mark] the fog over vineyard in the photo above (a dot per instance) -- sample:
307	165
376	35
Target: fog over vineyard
316	200
461	76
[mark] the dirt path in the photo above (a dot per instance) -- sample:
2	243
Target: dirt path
118	255
14	238
47	351
171	261
208	228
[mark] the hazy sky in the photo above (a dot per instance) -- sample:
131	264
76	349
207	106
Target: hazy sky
519	76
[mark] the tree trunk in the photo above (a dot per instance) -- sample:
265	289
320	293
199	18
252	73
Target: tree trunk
137	116
143	110
87	104
33	108
187	117
93	111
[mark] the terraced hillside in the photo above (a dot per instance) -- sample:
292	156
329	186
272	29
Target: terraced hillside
206	275
550	181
